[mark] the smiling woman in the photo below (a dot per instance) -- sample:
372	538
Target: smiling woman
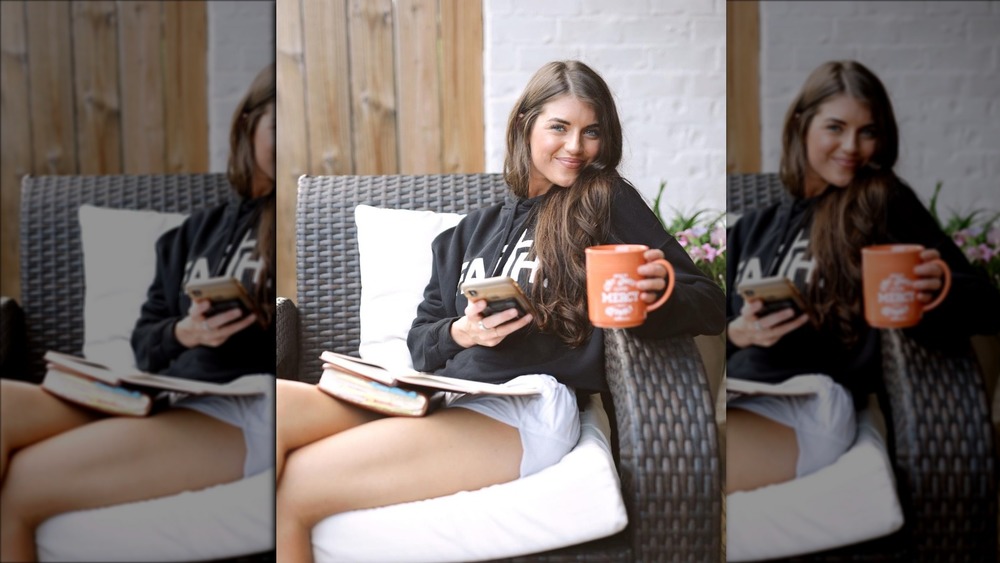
839	147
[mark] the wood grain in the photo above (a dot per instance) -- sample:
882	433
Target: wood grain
328	94
95	68
373	89
185	32
292	136
462	86
142	89
51	88
419	87
743	153
15	140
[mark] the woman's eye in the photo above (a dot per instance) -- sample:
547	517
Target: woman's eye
868	133
834	128
593	133
557	127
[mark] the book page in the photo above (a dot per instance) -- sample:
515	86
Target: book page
798	385
373	371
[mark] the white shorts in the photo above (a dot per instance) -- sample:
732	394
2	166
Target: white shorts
253	414
824	423
549	423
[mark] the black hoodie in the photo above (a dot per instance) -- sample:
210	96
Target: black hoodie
216	242
472	250
773	241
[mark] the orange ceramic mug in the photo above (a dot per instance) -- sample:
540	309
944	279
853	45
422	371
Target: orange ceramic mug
890	298
613	299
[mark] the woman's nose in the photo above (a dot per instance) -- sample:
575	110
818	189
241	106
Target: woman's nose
573	144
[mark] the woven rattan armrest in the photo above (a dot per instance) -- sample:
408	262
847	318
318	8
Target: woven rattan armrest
287	339
11	339
944	450
669	462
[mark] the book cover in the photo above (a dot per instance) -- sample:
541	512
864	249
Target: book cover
376	396
375	372
96	394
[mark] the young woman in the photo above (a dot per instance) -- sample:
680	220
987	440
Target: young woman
57	457
839	146
564	144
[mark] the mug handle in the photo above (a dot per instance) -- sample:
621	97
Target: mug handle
945	288
670	285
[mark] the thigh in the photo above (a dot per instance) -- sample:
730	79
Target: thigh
394	460
123	459
305	414
29	414
759	451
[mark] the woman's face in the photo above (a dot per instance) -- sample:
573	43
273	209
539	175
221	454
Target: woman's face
840	140
263	153
564	139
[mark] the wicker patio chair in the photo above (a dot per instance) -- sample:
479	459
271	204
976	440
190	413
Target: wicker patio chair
669	463
941	442
50	314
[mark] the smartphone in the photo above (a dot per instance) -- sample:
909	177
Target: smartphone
501	293
224	293
777	293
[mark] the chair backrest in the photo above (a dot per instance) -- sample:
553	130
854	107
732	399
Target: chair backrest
748	191
328	286
52	276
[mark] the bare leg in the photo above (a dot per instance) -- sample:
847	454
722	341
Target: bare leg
759	451
113	461
389	461
305	414
29	414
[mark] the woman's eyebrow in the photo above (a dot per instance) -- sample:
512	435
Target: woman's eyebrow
562	121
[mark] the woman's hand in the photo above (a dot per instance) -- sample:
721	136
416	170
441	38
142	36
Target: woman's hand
930	276
749	329
197	330
655	274
476	330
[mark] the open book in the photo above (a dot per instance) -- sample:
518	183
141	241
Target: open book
411	378
798	385
398	392
130	392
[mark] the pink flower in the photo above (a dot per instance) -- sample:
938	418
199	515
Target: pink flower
993	237
697	253
710	252
718	237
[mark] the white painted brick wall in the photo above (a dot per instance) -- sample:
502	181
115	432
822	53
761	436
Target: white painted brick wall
665	63
940	62
240	43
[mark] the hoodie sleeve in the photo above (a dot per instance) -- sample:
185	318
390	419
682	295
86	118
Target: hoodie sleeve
153	341
697	305
429	339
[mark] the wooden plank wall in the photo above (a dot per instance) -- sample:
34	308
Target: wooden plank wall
374	87
743	152
99	87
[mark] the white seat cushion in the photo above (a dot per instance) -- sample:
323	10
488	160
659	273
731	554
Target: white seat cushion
222	521
850	501
574	501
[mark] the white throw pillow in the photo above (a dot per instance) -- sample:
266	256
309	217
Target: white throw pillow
395	258
119	262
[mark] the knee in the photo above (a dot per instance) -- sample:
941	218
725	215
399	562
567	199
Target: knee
22	494
295	499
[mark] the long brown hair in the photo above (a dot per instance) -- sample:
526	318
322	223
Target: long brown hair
848	218
570	218
240	170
